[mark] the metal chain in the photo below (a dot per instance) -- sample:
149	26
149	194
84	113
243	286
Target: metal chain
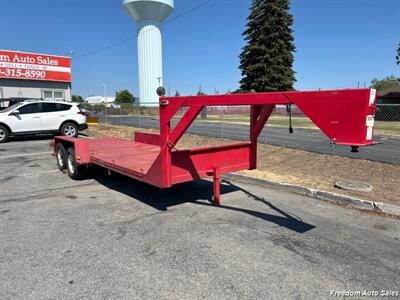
332	146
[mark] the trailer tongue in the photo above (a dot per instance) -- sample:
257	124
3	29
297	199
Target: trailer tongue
345	116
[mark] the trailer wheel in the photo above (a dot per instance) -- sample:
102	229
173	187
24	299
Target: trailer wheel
61	156
75	171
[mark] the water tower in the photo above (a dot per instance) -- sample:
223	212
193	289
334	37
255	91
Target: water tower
149	14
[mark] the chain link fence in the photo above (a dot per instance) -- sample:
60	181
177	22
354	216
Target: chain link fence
388	112
221	121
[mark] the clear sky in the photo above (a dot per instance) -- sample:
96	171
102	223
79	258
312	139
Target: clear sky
339	42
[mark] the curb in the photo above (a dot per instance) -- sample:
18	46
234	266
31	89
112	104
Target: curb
318	194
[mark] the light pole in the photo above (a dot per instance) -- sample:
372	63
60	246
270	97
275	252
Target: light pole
70	53
105	102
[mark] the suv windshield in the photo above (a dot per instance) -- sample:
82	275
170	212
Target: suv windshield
10	108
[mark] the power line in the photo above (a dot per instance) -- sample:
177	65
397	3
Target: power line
188	11
135	36
104	48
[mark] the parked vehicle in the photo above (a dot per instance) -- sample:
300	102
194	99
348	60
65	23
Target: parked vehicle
38	117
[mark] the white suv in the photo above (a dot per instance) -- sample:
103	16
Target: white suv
32	117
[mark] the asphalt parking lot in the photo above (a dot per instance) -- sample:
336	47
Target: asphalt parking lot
114	238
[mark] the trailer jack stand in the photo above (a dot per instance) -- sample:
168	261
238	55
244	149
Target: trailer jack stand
216	186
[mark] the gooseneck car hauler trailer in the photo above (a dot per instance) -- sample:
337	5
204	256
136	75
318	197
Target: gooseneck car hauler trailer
345	116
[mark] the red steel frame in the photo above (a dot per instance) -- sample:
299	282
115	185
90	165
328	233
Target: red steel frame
345	116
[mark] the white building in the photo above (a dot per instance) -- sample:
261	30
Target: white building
99	100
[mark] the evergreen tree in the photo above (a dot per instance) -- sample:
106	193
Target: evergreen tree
398	55
266	61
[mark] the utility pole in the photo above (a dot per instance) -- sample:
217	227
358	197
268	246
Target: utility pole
104	92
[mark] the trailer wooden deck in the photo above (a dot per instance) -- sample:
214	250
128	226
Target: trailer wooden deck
128	156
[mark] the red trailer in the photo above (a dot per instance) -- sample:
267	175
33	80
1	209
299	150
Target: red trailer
345	116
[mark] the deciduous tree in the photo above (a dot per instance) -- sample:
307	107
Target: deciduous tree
124	96
385	82
77	98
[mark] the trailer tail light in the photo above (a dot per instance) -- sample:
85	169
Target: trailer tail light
372	97
370	125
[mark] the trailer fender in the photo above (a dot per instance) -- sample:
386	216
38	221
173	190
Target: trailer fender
80	146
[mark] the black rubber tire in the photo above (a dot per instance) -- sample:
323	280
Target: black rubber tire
75	171
61	157
4	134
71	127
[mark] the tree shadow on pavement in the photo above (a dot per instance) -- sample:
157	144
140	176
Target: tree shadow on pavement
197	192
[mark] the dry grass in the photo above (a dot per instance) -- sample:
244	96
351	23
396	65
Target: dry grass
292	166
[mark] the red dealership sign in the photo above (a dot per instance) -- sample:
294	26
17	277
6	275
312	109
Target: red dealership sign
32	66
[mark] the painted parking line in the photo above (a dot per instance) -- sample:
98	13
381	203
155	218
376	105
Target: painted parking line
24	155
19	142
32	174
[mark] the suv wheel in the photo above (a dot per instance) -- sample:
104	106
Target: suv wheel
61	156
3	134
69	129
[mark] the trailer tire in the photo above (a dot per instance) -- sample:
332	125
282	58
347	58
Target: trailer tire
61	157
4	133
75	171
